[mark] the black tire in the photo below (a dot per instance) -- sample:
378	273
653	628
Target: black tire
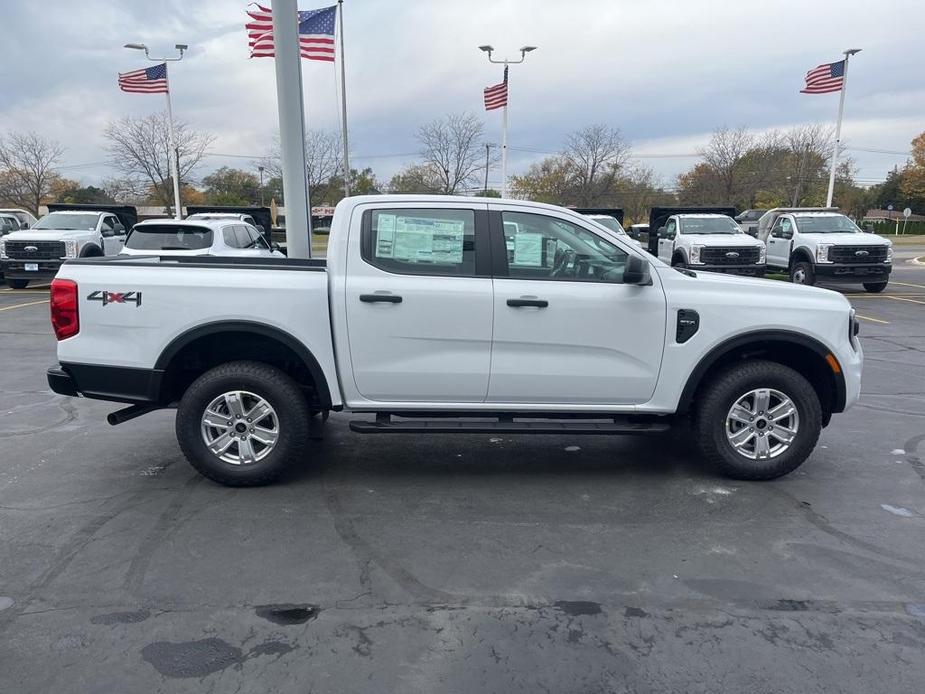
267	382
678	261
802	272
18	284
875	287
724	389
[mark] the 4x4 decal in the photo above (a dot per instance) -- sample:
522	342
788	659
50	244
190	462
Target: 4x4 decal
107	298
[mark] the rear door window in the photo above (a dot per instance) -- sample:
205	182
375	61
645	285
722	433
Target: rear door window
169	237
230	235
420	241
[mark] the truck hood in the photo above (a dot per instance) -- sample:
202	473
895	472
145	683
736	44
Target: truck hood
779	291
737	240
48	235
849	239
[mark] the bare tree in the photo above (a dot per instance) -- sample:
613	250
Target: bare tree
726	157
595	155
28	162
451	149
140	149
323	157
808	147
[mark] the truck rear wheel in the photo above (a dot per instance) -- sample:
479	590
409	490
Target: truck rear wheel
875	287
243	423
757	420
802	273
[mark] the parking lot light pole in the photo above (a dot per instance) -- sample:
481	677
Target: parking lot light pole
523	54
841	109
174	156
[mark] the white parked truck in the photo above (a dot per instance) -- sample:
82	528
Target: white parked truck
710	242
426	316
67	231
823	244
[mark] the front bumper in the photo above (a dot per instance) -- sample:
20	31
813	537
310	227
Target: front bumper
16	269
748	270
835	272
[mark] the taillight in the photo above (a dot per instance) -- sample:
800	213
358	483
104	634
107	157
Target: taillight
65	318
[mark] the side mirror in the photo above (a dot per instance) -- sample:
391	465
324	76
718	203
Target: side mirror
636	271
787	234
24	225
119	230
275	246
662	233
106	233
869	228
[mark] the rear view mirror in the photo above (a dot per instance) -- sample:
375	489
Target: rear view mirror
636	271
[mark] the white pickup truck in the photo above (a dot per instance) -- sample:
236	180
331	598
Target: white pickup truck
710	242
823	244
428	317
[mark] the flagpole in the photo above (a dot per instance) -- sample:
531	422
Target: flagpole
343	100
841	111
173	156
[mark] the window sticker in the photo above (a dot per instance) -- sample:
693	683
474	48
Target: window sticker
420	239
528	249
385	235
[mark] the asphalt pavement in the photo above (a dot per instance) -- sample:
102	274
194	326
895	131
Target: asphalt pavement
463	564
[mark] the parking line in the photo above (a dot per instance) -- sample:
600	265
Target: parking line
902	298
31	303
875	320
906	284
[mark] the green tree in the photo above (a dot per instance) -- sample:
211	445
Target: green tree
228	186
913	175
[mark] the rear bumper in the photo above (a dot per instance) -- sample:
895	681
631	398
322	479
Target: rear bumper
114	383
835	272
16	269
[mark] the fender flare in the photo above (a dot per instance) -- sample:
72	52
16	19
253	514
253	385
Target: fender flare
802	254
308	359
733	343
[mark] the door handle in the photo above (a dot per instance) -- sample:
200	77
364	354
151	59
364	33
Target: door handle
380	298
538	303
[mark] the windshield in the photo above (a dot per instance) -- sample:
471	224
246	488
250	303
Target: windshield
68	220
169	237
609	222
709	225
827	224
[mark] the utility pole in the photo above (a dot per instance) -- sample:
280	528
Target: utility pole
487	150
291	128
260	169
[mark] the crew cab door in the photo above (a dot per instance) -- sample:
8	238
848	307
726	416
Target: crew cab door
112	234
779	242
419	302
566	328
666	241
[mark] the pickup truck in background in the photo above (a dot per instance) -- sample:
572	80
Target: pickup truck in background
426	316
710	242
26	219
813	243
67	231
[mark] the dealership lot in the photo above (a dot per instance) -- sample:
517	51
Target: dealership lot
479	563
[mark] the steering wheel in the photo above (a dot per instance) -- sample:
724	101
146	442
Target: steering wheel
561	263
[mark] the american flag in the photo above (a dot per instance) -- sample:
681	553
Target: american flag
150	80
825	79
316	33
496	95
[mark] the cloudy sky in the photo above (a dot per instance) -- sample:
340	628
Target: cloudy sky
666	72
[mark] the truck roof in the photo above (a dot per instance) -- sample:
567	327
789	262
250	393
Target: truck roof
208	223
701	215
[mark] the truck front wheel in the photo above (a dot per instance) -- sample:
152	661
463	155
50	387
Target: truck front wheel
802	273
757	420
243	423
875	287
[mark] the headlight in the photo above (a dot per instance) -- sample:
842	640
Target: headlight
695	255
889	253
822	253
762	255
70	249
2	249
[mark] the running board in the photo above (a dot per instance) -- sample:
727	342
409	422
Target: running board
384	424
